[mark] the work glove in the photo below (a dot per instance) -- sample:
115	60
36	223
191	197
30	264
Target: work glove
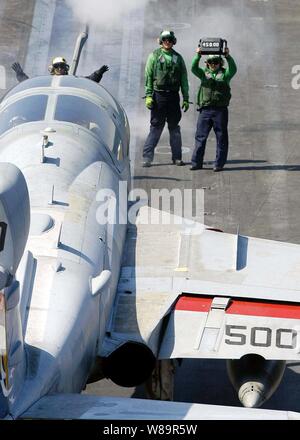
103	69
149	102
185	106
97	76
21	76
17	68
226	52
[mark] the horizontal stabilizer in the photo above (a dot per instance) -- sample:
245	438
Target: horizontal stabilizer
83	406
229	328
163	262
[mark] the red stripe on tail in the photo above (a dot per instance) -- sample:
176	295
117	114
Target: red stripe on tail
239	307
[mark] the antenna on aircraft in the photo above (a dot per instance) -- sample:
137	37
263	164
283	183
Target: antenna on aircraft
81	39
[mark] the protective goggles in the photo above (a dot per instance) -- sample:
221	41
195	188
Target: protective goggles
59	66
170	39
215	62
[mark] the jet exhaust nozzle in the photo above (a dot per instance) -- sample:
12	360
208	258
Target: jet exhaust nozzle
254	378
129	365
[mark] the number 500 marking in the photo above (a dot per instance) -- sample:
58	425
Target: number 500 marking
241	339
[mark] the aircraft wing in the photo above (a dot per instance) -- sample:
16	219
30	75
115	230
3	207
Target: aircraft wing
190	291
83	406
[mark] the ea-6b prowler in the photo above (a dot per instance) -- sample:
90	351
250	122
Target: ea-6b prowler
72	312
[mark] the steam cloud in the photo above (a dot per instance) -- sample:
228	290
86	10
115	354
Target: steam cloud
103	12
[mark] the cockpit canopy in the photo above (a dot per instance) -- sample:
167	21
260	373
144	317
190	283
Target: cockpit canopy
27	109
69	99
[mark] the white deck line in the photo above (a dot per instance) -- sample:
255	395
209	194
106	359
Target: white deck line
130	71
38	46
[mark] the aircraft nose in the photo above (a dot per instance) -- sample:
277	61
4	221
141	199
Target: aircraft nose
251	394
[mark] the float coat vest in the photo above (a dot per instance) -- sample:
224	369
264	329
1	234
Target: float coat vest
167	75
214	90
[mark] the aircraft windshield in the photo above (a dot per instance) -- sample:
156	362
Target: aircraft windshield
31	108
91	86
82	112
40	81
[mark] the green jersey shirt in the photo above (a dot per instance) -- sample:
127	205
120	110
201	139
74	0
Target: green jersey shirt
214	89
166	70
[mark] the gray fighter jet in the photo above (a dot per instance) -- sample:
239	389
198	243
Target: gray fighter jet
66	314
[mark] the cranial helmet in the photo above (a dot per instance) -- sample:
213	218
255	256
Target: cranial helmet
59	62
164	35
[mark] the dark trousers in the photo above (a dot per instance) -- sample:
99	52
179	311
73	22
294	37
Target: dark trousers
166	108
216	118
